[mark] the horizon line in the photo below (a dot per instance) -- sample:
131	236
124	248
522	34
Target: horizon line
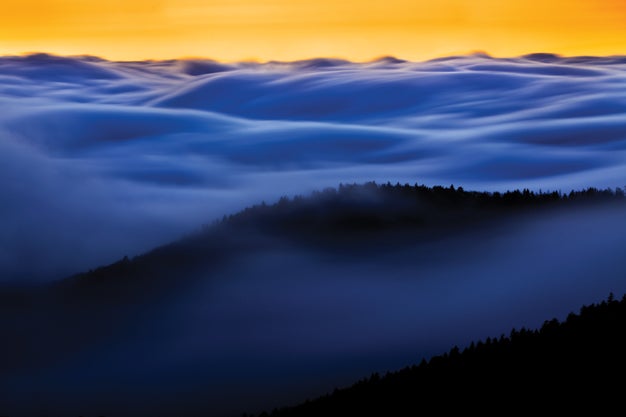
473	53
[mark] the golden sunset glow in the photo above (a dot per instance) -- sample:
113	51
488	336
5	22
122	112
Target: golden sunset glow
294	29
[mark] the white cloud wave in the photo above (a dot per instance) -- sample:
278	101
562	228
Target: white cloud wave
110	158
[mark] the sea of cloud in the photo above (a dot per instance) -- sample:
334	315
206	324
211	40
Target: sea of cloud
102	159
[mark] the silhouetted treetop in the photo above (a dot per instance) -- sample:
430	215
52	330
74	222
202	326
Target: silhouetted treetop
372	207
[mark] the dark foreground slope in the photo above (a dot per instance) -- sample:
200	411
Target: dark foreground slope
568	366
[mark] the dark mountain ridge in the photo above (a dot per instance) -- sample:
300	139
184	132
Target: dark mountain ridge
348	218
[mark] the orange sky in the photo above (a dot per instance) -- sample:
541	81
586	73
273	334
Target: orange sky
294	29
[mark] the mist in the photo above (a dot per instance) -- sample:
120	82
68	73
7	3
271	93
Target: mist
286	321
102	159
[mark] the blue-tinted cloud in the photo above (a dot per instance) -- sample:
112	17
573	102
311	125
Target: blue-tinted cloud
94	151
